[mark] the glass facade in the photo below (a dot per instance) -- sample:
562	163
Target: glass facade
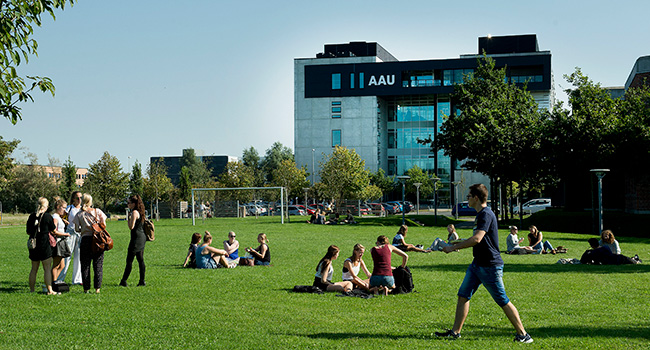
336	138
336	81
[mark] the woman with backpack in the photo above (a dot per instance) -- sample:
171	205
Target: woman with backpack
39	226
138	239
382	272
83	223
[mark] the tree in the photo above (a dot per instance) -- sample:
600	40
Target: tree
29	182
417	175
69	174
251	159
136	184
236	175
17	21
289	176
383	182
199	174
157	186
185	185
344	174
106	181
497	129
6	162
274	156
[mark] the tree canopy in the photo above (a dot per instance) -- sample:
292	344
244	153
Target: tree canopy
106	181
344	174
17	21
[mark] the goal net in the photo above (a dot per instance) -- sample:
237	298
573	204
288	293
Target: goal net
238	202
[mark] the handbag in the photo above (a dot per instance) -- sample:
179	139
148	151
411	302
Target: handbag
31	241
102	240
63	249
52	240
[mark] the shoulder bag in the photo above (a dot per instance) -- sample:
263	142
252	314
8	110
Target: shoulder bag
102	241
31	242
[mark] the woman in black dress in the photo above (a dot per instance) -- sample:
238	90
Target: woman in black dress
39	226
138	239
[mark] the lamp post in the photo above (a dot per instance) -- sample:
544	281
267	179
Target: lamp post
600	173
435	200
417	187
403	179
313	170
456	183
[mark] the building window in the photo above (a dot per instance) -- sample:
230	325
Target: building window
336	109
336	81
351	80
336	138
360	80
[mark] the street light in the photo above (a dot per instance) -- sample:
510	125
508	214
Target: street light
600	173
403	179
313	170
417	187
456	183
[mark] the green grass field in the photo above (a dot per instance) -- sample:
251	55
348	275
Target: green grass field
564	307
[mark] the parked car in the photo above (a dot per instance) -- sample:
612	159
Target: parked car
308	210
295	210
408	206
398	204
533	206
463	209
390	208
376	208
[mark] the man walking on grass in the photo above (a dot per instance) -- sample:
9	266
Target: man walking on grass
486	268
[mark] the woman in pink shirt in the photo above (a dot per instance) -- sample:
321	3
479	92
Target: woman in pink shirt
382	272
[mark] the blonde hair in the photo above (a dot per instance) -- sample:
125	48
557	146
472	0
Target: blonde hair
60	203
264	239
357	248
86	201
207	237
41	208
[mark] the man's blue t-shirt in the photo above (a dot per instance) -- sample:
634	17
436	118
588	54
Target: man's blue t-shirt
486	252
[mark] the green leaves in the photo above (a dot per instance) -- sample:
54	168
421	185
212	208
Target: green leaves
344	174
17	19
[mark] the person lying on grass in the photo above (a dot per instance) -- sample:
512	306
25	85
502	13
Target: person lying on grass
208	257
324	272
352	266
601	255
398	241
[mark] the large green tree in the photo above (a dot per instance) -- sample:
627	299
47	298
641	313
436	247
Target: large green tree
69	174
236	175
251	159
157	186
29	182
199	174
17	21
106	181
344	174
417	175
274	156
6	162
136	183
383	182
289	176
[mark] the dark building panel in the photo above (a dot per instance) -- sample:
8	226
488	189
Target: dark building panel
495	45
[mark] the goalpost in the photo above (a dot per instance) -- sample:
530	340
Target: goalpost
239	189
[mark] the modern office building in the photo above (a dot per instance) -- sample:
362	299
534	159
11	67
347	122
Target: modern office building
217	164
360	96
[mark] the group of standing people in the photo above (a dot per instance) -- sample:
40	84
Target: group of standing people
205	256
72	230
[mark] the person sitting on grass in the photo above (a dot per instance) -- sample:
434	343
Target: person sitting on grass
535	238
261	255
601	255
513	241
452	238
382	271
352	266
607	239
398	241
231	246
349	219
190	259
324	272
208	257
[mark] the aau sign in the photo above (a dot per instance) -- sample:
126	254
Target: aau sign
383	80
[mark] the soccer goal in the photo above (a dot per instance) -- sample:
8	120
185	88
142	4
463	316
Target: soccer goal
234	195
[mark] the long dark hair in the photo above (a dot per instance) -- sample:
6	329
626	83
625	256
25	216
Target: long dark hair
331	251
139	206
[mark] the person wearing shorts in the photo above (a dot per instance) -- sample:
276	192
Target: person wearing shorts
382	272
486	268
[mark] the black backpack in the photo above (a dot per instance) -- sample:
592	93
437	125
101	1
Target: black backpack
403	280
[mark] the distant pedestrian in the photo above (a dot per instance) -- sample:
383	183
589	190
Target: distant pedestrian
486	268
138	239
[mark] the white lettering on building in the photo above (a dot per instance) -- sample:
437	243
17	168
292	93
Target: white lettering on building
383	80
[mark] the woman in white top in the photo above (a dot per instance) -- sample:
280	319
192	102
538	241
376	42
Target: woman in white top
83	223
353	265
608	240
324	272
73	241
58	252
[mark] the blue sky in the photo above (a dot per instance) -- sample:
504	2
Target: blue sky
148	78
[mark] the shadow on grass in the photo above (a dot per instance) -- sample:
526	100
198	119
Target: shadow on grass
351	335
11	287
568	331
545	268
